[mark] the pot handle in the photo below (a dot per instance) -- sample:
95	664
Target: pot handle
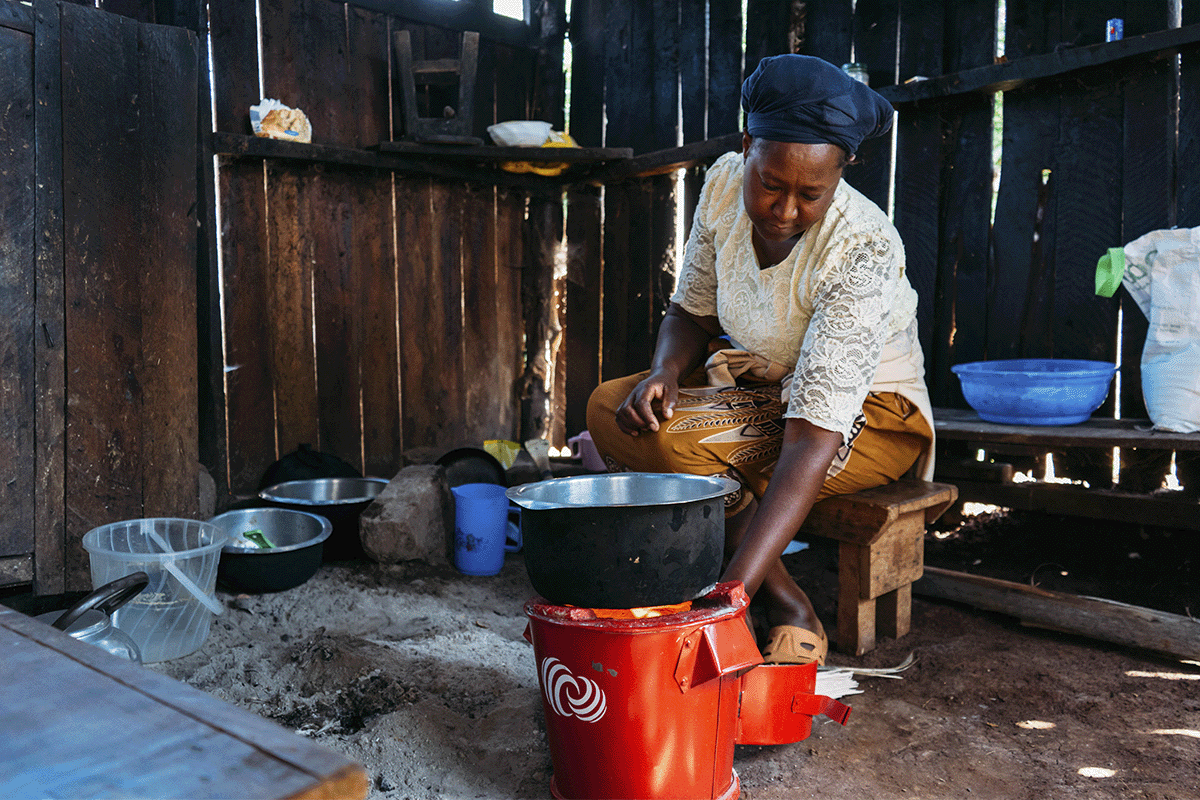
107	599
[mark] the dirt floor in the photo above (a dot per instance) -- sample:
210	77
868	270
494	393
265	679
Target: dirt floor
422	675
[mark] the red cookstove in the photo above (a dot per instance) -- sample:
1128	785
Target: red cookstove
652	706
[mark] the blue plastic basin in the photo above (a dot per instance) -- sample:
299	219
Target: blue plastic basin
1035	391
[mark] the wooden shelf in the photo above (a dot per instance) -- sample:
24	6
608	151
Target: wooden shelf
490	154
478	164
1011	74
960	425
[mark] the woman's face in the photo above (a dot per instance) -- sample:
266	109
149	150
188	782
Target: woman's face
788	186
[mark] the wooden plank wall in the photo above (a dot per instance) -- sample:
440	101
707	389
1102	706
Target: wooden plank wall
1077	174
18	237
365	313
98	255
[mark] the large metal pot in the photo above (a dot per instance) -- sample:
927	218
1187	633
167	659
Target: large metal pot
623	540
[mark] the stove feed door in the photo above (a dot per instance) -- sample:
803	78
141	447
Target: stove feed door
778	704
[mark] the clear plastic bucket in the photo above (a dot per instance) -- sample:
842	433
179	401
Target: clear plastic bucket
171	617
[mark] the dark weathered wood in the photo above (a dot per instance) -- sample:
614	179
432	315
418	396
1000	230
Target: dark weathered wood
767	25
483	400
549	89
514	76
665	123
1164	510
960	300
509	347
628	71
367	54
17	17
918	201
338	293
1023	230
724	67
875	29
458	16
175	741
18	272
583	302
258	147
962	425
1018	71
959	303
664	161
289	306
588	45
1094	617
828	29
233	40
249	395
373	255
140	10
491	154
1148	117
16	570
693	58
419	304
1187	159
49	319
102	257
167	106
448	379
304	64
1087	185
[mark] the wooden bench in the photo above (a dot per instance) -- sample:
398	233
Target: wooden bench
881	532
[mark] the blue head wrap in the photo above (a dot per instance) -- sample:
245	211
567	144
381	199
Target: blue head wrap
794	98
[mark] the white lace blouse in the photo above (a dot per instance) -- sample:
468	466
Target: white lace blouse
829	308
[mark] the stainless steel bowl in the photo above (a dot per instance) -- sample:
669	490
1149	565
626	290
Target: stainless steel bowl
340	500
298	538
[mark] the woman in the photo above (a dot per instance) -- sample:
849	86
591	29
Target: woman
818	388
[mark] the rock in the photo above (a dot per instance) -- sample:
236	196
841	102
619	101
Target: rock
208	493
411	519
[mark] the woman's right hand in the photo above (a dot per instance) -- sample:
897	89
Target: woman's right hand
653	397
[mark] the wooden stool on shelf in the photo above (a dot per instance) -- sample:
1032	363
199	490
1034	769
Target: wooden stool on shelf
882	552
454	124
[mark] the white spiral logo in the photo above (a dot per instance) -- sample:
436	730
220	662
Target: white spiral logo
571	695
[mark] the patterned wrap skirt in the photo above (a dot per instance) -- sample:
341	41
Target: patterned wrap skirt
737	432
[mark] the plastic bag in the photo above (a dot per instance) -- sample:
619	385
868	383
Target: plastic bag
1162	274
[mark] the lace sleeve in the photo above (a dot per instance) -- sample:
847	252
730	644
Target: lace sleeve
696	288
845	338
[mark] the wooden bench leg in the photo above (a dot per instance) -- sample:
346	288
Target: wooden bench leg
856	616
894	611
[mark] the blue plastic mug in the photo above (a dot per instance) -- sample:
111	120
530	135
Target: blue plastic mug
481	528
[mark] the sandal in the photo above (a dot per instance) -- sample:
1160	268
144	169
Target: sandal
790	644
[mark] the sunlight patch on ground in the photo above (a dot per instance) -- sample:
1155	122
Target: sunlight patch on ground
1170	676
1097	772
1035	725
1177	732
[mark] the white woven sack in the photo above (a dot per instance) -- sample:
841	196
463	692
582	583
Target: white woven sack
1162	274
